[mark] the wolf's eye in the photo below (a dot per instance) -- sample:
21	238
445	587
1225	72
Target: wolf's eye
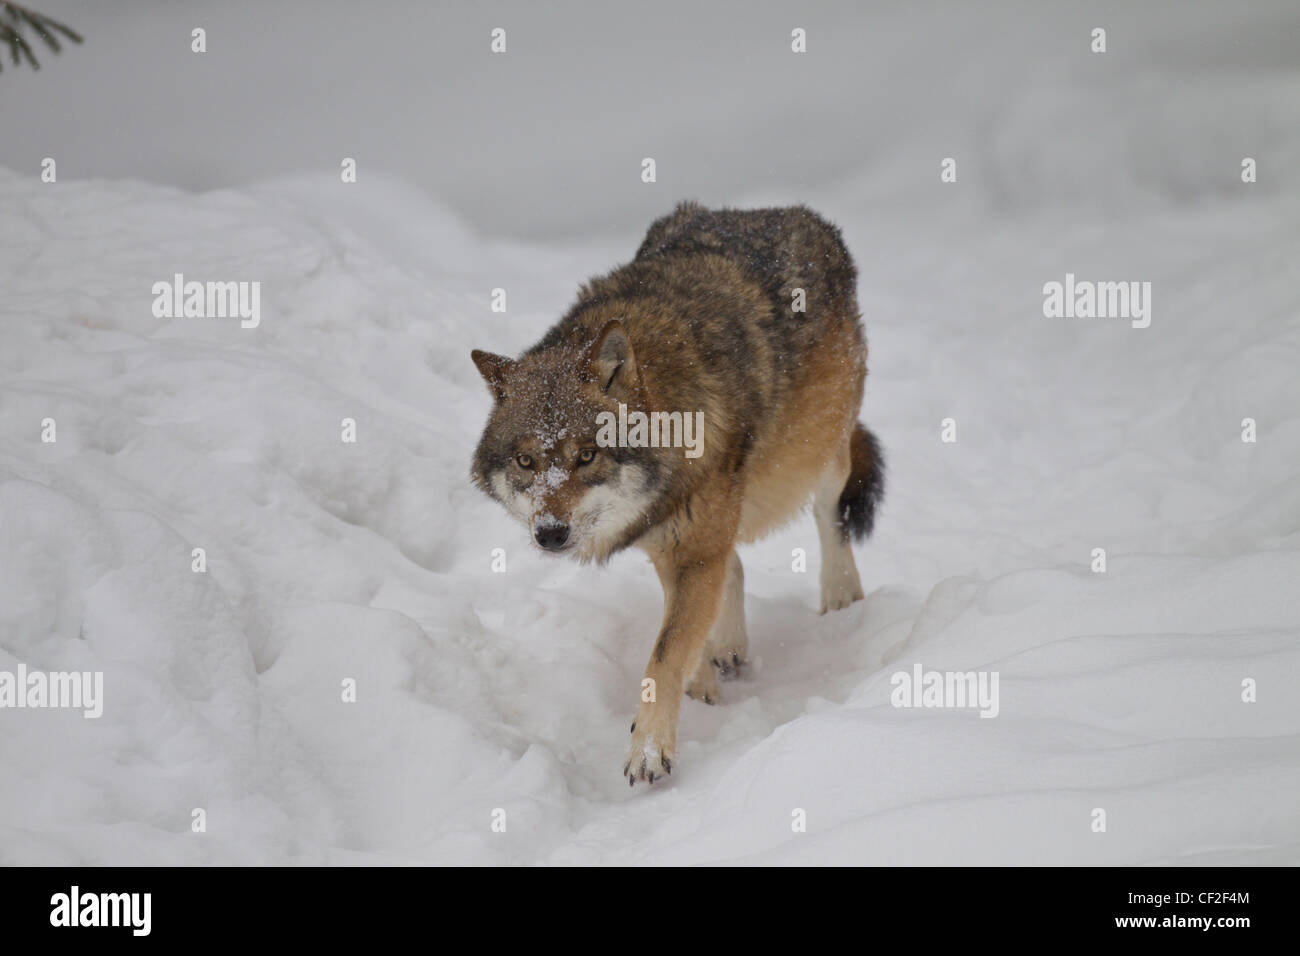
524	461
587	456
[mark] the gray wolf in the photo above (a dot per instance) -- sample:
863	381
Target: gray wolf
705	319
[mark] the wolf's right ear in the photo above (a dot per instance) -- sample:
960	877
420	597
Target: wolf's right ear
493	368
611	360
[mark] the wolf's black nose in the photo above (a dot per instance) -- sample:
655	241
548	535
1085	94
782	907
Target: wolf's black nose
552	536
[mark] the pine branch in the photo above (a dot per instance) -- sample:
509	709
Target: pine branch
15	20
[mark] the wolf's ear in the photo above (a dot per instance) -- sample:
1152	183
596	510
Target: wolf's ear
610	361
493	368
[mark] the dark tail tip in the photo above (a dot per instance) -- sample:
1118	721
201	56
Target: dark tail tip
865	487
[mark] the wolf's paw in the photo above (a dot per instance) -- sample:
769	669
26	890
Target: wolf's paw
647	760
730	663
703	684
840	594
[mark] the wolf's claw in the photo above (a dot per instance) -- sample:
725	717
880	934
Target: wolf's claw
729	665
648	764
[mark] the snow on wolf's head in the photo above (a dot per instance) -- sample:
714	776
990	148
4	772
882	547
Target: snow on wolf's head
539	454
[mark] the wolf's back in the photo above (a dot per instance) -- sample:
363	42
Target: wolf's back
782	248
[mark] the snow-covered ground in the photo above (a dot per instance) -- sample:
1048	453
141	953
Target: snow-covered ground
479	690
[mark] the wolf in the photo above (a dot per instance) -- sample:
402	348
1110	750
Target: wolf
749	317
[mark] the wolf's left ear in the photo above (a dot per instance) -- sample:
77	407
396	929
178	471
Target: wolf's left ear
493	368
610	360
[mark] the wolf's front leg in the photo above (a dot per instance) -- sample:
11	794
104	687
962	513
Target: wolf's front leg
692	600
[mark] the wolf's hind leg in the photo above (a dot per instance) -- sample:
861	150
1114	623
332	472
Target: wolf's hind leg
728	644
840	583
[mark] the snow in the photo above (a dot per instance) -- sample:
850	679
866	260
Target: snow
373	561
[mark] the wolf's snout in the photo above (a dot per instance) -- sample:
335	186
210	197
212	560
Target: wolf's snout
552	537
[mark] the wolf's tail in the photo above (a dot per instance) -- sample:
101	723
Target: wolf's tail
865	487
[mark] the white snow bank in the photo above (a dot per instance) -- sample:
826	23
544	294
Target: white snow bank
481	690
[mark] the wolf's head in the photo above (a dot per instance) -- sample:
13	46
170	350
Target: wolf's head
539	454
